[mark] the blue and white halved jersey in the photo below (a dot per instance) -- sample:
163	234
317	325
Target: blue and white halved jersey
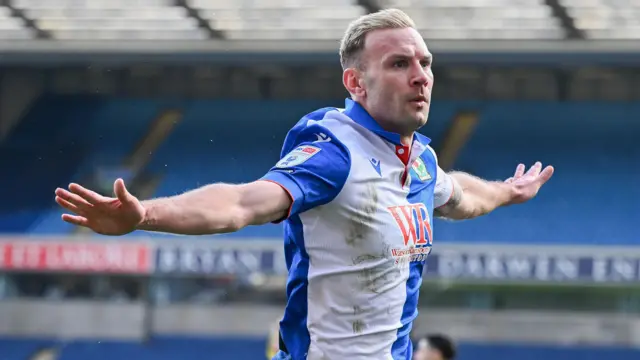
357	234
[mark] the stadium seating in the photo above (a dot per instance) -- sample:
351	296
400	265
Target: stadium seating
482	19
604	19
113	19
594	151
43	154
279	19
314	19
12	28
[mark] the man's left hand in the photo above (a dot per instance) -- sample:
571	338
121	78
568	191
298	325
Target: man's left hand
525	185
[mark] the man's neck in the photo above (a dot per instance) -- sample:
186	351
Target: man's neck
406	140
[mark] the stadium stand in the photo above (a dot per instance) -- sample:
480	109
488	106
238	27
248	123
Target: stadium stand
298	19
605	19
278	19
592	158
85	137
12	28
91	139
113	19
482	19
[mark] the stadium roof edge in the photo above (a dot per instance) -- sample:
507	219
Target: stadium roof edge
266	46
463	51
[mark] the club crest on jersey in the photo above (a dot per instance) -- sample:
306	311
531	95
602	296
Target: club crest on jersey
420	169
297	156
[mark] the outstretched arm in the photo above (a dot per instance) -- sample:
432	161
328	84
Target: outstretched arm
212	209
217	208
472	197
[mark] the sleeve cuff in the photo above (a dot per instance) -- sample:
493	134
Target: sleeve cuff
290	186
453	189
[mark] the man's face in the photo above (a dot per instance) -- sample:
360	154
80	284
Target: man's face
397	79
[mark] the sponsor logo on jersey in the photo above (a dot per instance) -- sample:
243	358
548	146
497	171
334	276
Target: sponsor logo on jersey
415	226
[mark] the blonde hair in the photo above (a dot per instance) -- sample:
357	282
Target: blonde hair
352	42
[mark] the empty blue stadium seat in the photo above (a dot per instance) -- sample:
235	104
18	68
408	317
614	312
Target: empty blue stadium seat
64	139
593	196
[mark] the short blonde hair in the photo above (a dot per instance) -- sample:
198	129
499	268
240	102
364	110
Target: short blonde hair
353	40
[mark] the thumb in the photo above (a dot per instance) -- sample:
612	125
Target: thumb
121	192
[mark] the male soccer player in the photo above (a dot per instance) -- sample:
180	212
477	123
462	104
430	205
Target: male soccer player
356	188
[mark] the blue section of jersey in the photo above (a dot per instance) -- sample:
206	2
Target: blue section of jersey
419	192
320	177
281	356
293	326
314	167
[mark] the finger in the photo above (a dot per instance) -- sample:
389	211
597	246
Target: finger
91	196
74	199
67	205
535	169
546	174
121	191
519	171
75	220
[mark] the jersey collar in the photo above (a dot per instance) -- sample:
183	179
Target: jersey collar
358	114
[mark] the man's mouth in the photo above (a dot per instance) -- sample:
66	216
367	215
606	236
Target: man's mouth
419	100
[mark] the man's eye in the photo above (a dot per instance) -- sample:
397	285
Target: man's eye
400	64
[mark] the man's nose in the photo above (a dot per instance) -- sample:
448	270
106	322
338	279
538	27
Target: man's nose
420	77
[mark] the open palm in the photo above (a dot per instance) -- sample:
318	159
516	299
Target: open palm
104	215
525	185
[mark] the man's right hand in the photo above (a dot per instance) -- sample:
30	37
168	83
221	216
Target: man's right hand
104	215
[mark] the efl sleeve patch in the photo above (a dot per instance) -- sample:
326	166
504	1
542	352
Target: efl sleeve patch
297	156
315	168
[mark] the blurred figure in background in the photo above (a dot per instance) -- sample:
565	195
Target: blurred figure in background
273	340
434	347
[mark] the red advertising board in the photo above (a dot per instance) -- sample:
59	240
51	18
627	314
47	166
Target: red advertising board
76	256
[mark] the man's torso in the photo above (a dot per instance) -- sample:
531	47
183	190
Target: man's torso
365	249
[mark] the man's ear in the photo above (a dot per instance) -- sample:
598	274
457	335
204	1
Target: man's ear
353	81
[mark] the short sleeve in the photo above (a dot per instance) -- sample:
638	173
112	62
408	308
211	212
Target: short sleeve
445	186
313	167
